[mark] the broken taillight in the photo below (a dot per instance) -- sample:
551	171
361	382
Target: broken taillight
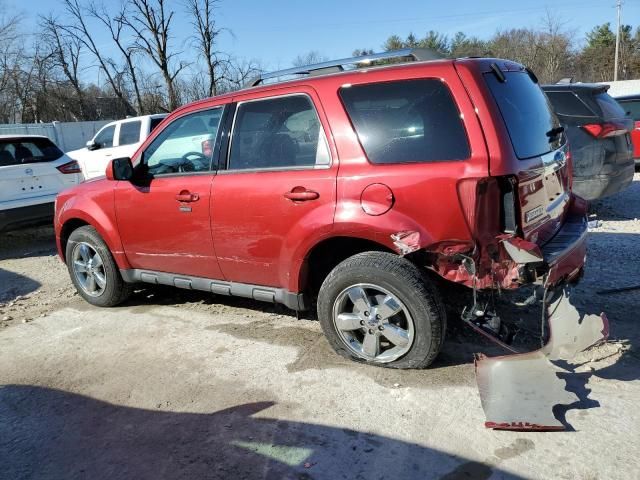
207	148
70	167
605	130
479	198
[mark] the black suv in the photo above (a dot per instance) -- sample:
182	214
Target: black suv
599	134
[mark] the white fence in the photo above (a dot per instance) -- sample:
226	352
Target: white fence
66	135
624	87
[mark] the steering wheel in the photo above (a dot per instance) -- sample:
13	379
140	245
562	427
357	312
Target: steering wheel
188	165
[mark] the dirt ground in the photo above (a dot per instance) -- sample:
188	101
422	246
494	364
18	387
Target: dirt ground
179	384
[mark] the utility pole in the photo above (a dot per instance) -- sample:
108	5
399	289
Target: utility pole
615	72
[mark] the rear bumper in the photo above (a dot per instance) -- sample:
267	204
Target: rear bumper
23	217
564	255
604	184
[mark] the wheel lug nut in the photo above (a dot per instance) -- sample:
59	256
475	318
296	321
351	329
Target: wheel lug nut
361	322
370	332
378	317
366	314
380	328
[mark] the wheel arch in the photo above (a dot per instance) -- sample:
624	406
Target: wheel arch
103	225
325	254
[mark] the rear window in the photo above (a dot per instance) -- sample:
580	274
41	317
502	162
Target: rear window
632	108
526	112
568	104
610	108
407	121
33	150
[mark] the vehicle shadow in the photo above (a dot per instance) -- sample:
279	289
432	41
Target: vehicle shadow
29	242
51	433
13	285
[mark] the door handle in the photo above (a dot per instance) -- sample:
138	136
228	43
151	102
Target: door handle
301	194
187	196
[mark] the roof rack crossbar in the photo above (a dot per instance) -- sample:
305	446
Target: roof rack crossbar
417	54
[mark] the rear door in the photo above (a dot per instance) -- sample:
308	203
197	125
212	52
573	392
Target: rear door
128	139
277	189
540	163
29	173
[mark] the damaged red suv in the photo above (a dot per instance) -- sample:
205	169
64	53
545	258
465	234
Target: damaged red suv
350	188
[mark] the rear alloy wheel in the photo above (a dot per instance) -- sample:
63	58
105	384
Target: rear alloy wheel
380	308
93	270
373	323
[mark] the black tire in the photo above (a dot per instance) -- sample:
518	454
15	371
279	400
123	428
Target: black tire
405	281
116	289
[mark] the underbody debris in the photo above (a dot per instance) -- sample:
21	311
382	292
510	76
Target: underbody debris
524	391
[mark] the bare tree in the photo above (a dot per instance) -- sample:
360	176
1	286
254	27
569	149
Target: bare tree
79	29
309	58
64	52
116	27
151	23
203	20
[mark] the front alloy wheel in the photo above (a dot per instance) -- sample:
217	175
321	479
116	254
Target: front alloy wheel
88	269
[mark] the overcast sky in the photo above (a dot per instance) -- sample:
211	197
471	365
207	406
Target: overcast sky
276	31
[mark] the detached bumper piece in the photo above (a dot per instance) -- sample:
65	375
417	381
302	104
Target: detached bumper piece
526	391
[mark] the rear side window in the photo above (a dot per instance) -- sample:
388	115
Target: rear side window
281	132
526	112
633	109
32	150
610	108
569	104
129	133
408	121
104	139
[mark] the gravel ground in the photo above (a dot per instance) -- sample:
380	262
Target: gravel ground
179	384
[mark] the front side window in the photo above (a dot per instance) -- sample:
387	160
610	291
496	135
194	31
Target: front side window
282	132
408	121
104	139
129	133
185	145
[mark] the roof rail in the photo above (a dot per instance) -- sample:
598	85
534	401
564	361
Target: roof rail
332	66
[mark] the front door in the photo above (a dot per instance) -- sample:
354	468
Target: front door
278	187
96	160
164	213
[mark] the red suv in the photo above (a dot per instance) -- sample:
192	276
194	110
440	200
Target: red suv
349	188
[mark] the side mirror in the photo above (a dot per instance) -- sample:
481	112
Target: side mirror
91	145
120	169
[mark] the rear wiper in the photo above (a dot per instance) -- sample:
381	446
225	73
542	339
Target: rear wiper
554	132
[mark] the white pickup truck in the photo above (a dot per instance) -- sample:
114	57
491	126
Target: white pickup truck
116	139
